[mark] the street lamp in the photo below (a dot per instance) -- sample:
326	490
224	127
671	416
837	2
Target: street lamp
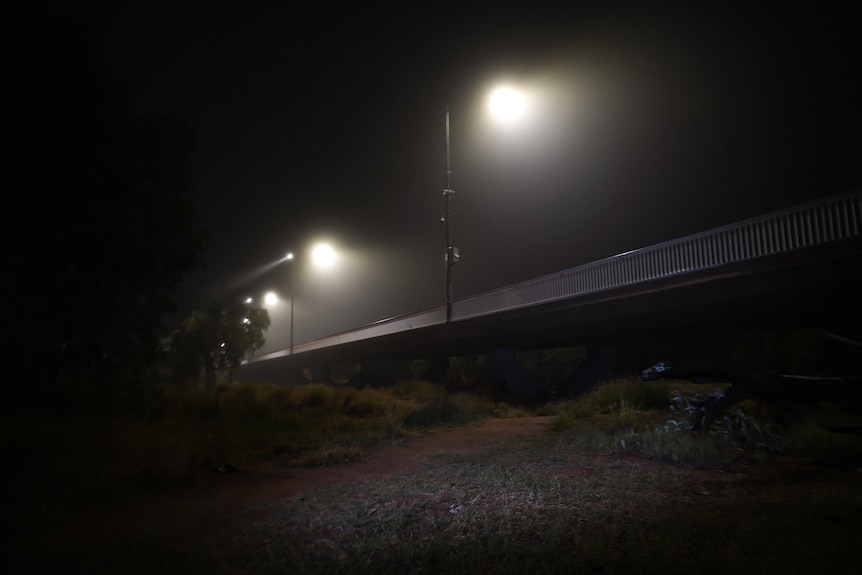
322	255
289	257
506	104
451	254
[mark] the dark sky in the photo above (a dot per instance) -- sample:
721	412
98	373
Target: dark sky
327	120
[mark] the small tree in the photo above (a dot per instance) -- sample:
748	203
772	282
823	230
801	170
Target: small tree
217	340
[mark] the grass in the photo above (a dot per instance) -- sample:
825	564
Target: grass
171	436
614	487
541	505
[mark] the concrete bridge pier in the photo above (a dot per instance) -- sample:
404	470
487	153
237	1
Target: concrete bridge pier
504	365
292	375
319	373
437	370
372	374
599	364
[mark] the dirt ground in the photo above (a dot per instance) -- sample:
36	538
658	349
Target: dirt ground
234	493
108	537
69	530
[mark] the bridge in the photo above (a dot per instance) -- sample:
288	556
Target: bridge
797	267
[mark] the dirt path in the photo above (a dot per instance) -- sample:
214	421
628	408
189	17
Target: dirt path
192	529
392	459
239	492
253	496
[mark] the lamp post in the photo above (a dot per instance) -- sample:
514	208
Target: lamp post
505	104
451	254
322	256
289	258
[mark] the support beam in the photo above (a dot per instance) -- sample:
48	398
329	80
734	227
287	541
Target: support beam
372	374
599	364
437	370
504	365
319	373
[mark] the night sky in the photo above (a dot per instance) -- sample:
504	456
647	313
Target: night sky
326	120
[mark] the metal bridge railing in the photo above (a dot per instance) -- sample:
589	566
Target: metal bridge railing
826	220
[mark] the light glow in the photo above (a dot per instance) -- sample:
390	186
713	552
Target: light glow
270	298
506	103
323	255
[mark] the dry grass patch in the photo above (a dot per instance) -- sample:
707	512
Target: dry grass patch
538	505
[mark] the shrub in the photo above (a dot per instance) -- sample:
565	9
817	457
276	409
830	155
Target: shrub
439	411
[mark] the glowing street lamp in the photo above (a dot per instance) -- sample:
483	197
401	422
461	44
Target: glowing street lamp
289	257
323	255
451	255
506	104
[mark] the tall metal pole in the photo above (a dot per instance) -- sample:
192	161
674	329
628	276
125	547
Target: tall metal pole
450	255
292	298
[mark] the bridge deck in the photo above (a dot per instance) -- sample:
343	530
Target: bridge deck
796	267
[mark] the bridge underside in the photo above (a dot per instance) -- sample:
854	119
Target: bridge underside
813	287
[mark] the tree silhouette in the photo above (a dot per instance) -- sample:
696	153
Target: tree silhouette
217	339
103	227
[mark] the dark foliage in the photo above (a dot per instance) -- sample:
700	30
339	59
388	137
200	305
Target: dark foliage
102	228
215	340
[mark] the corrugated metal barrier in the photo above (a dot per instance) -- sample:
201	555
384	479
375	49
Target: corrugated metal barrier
830	219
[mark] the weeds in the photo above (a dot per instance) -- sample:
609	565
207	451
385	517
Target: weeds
658	419
542	505
621	484
174	435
